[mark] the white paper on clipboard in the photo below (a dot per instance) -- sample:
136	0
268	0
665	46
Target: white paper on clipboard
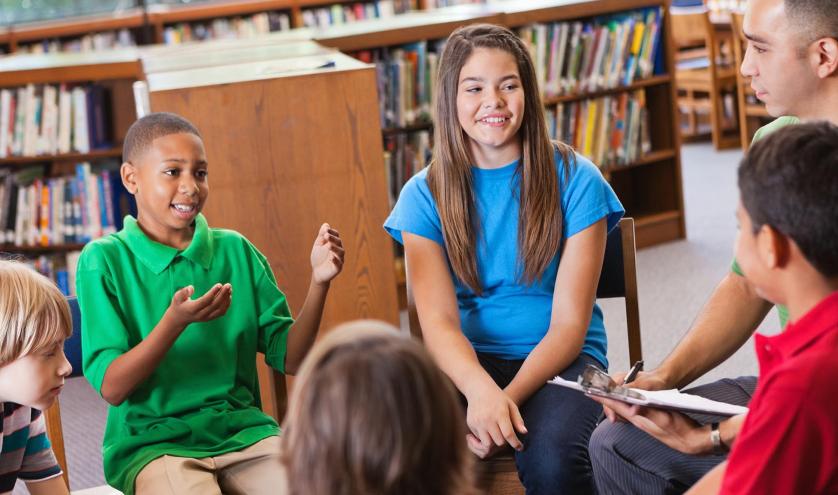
662	399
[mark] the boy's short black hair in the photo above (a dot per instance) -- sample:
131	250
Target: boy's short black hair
154	125
789	180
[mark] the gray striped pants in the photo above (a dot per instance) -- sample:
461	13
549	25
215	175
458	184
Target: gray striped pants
627	460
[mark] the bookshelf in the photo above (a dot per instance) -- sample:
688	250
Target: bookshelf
650	185
57	189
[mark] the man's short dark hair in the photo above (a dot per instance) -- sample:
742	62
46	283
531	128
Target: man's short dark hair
789	180
813	19
154	125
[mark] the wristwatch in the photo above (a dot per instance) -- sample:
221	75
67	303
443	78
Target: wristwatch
716	439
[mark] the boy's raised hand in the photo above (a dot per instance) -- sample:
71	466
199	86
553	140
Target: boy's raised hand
210	306
326	255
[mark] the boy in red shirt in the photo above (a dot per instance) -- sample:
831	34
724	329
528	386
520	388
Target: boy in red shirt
787	248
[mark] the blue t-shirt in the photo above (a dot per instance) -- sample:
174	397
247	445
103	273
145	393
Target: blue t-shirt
510	317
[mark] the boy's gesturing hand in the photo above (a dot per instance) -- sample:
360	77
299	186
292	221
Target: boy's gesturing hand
183	310
326	255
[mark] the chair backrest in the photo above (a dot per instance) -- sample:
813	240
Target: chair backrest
618	278
52	416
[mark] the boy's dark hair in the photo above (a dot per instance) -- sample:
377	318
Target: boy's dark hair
154	125
789	180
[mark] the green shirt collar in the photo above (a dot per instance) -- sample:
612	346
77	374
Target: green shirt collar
157	257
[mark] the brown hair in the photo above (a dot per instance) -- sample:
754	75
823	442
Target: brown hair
371	414
449	175
33	313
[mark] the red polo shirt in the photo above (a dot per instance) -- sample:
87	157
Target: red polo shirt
789	442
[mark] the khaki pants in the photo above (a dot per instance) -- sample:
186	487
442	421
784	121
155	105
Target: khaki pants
253	471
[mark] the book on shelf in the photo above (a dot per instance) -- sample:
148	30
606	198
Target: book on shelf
60	267
227	28
603	52
41	211
406	76
611	131
93	42
338	14
405	154
54	119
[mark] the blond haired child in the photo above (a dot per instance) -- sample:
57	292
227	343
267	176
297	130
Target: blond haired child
34	322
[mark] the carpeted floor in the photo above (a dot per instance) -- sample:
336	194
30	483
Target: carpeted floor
674	282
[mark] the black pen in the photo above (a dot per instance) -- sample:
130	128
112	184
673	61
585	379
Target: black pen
632	374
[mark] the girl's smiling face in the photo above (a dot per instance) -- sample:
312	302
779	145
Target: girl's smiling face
490	106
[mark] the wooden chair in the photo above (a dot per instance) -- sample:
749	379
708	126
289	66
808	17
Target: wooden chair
703	76
752	112
499	475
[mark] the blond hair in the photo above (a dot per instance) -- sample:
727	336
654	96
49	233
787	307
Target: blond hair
33	313
372	414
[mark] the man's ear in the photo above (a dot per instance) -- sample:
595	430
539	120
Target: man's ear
774	247
826	57
128	172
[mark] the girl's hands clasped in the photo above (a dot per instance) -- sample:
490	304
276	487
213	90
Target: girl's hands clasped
326	255
493	419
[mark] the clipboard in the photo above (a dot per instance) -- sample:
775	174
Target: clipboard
596	382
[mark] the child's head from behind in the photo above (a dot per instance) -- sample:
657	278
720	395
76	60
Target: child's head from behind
165	168
487	100
788	185
372	414
34	322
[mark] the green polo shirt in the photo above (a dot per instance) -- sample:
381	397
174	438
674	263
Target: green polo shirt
203	398
763	131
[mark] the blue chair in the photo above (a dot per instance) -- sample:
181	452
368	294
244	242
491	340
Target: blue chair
72	346
52	416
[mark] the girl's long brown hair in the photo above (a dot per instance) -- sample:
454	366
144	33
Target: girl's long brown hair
449	175
371	414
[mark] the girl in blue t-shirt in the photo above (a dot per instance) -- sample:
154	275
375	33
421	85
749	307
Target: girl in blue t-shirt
504	235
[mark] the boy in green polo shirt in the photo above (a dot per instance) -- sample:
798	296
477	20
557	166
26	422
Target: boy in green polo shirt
180	372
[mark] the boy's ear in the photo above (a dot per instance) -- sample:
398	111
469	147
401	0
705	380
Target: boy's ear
826	50
128	172
774	247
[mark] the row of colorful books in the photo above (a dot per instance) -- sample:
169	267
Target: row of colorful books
570	57
49	119
227	28
611	130
405	154
58	267
107	40
338	14
406	76
603	52
36	210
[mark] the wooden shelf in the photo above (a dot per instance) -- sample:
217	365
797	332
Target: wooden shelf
405	28
20	70
67	157
647	159
518	14
643	83
657	228
56	248
77	26
424	126
167	14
